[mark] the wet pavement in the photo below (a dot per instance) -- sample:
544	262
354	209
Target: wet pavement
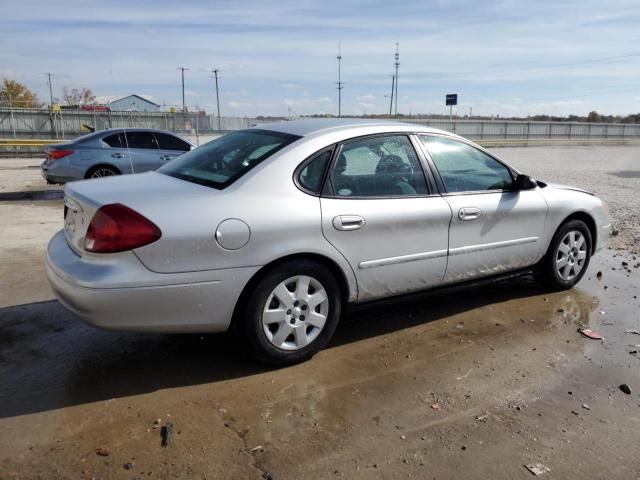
469	384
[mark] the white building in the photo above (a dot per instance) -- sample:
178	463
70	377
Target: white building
129	103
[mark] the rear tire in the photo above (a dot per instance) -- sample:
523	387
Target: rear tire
102	171
567	258
292	313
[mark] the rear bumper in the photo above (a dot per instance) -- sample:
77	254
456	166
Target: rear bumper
118	293
59	172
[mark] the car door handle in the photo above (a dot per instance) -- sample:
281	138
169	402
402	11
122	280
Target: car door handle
166	157
469	213
117	155
348	222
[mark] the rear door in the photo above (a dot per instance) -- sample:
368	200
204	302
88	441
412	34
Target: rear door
170	146
493	228
379	212
143	150
117	154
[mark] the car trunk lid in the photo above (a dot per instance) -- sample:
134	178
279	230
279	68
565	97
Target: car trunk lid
142	192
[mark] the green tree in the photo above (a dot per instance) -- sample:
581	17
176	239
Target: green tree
15	94
594	117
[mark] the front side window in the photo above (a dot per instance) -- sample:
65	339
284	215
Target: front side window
222	161
169	142
380	166
464	168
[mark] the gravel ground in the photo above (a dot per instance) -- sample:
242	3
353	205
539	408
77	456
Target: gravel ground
612	173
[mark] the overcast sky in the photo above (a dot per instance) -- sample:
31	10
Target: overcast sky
502	57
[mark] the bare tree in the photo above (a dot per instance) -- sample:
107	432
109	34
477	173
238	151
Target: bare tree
77	96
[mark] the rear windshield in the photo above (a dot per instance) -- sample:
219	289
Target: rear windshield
219	163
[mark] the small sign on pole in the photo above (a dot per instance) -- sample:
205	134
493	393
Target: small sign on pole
451	99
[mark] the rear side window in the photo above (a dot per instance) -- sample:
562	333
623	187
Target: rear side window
115	141
219	163
310	177
144	140
169	142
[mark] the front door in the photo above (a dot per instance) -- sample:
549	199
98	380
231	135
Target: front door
493	228
170	146
380	214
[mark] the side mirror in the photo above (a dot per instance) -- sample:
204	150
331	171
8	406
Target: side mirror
524	182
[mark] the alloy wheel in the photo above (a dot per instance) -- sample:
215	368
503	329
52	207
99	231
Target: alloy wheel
102	172
571	255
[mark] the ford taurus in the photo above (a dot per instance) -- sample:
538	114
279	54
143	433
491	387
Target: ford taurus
274	229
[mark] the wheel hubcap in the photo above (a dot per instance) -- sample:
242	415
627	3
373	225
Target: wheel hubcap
571	255
295	312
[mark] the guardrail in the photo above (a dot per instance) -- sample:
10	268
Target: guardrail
27	142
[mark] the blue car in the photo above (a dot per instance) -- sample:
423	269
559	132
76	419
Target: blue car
111	152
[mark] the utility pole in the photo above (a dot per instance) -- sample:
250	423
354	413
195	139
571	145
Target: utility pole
215	75
393	83
50	91
182	69
51	121
397	64
340	84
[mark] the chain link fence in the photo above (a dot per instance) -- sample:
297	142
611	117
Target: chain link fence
25	130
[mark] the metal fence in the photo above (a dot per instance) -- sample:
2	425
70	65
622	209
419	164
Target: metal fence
36	124
67	124
535	131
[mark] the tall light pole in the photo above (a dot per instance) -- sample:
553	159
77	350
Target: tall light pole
397	64
182	69
340	84
393	83
215	75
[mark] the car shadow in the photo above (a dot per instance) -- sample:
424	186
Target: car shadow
50	360
32	195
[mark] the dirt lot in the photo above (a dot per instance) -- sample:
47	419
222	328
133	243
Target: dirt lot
472	384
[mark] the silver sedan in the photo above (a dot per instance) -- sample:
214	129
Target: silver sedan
111	152
273	230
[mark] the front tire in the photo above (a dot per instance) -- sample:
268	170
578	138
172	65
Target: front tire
567	258
292	312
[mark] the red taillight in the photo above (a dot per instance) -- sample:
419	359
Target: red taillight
58	154
116	228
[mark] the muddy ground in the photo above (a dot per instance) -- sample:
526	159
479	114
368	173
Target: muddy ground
474	383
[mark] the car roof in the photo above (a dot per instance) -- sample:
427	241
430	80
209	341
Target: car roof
118	130
310	126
